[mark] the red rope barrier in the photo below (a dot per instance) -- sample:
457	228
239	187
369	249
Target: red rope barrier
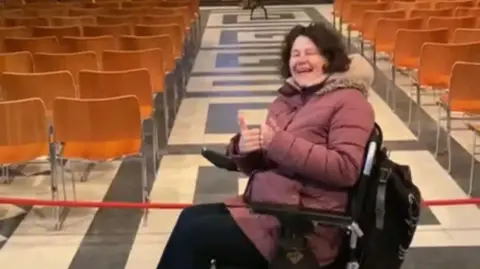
91	204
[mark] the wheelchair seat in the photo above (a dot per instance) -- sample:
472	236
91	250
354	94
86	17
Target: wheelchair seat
296	221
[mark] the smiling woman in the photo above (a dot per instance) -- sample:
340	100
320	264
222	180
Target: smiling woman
308	151
312	53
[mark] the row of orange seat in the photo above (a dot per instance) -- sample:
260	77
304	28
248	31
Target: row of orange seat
162	56
45	20
94	85
95	129
347	8
367	19
102	17
50	8
426	41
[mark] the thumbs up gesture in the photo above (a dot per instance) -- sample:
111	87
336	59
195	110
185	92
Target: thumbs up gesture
267	132
250	139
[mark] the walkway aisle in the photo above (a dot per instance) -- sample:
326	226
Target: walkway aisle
235	72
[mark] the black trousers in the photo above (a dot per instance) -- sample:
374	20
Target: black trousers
208	232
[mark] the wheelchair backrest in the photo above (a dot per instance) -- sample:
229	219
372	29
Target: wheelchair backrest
358	192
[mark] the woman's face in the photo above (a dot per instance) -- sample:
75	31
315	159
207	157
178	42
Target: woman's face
306	62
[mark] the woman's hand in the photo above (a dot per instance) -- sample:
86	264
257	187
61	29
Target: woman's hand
256	138
268	130
250	139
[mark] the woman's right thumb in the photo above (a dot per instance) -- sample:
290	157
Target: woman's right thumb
241	122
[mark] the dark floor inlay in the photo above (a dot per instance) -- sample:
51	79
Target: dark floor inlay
235	73
233	18
263	42
278	16
262	63
222	118
8	226
230	37
287	26
230	94
224	60
259	48
274	23
265	53
263	31
97	245
230	60
271	10
246	82
267	35
215	185
229	19
442	257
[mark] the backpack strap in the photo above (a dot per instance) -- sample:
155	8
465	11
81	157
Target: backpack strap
385	170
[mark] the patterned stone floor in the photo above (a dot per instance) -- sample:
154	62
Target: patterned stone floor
235	71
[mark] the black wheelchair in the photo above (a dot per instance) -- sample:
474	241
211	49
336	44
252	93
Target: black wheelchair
296	222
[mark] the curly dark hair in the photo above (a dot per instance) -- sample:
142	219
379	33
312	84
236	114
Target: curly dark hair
329	44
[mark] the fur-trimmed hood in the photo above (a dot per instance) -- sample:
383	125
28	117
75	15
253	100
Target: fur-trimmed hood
360	75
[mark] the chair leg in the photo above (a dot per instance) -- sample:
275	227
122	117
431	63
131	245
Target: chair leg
171	95
410	106
54	183
72	179
417	111
6	174
362	46
388	89
87	170
349	39
449	139
154	145
177	78
439	127
145	193
62	177
392	88
166	117
472	163
198	31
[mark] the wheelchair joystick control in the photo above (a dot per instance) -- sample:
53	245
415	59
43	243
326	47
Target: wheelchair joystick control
219	160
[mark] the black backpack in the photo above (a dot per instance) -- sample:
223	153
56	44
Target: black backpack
390	215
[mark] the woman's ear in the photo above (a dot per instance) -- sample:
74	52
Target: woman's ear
326	65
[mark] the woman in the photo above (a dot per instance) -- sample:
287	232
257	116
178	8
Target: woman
310	147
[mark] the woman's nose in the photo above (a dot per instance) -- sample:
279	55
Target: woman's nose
302	60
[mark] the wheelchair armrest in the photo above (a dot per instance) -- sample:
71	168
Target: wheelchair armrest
220	160
319	216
